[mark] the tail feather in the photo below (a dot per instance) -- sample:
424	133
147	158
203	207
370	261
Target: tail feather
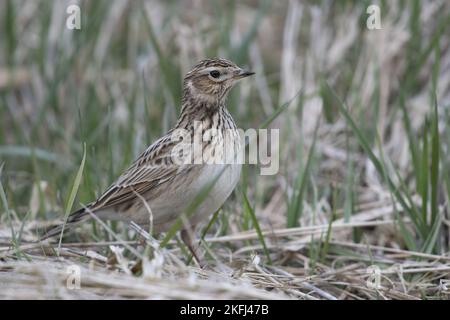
73	220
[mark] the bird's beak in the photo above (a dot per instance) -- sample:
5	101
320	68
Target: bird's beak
243	74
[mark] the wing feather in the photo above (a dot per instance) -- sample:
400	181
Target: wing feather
151	169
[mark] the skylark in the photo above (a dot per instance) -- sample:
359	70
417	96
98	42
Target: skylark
157	188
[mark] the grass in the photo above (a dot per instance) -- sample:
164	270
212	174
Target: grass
364	146
73	194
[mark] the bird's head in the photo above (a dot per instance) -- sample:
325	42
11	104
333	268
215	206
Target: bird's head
211	79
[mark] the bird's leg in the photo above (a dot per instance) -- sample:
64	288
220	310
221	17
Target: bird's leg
187	235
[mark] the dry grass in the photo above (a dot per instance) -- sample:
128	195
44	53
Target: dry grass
234	272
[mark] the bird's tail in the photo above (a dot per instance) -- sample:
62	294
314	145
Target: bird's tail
73	220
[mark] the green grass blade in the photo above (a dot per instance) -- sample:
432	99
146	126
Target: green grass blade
4	200
210	224
73	194
240	52
326	243
423	176
295	207
431	240
252	214
280	110
434	177
27	152
411	138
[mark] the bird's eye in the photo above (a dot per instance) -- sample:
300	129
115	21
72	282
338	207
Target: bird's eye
214	74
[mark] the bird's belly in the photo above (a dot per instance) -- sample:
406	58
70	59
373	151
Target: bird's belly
220	191
169	207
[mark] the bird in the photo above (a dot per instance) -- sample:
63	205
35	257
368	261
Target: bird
163	182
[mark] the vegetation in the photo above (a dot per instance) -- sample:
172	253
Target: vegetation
363	116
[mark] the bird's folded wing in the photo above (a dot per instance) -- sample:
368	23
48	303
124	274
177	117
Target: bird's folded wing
153	168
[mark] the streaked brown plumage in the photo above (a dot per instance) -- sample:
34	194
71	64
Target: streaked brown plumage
167	187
